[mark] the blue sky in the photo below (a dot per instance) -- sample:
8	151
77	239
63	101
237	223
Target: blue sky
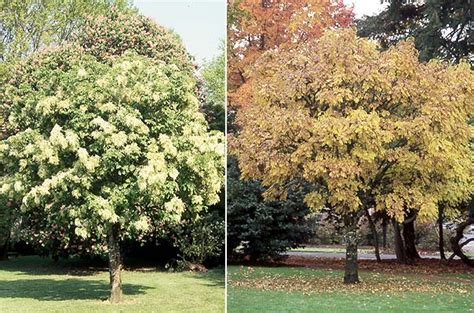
200	23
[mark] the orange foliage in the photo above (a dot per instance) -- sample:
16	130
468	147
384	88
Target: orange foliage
256	26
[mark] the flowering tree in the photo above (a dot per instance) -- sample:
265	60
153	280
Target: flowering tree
110	35
106	148
367	129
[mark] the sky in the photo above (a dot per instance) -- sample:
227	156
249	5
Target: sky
201	24
365	7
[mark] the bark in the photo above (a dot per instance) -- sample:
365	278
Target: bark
456	246
374	233
399	246
441	232
384	232
4	249
115	265
351	275
409	239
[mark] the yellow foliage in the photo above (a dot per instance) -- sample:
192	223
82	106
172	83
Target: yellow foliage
363	127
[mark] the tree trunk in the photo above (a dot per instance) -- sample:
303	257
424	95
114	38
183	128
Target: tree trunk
115	265
351	275
398	242
5	227
409	238
4	249
384	232
456	246
374	233
441	231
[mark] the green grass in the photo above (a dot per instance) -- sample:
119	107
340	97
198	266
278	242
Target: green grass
33	284
421	293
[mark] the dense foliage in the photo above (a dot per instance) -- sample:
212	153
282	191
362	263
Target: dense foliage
213	91
258	228
28	25
441	28
115	32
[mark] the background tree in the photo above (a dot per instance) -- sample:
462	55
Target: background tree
255	26
107	148
441	28
262	229
213	91
119	31
27	26
367	129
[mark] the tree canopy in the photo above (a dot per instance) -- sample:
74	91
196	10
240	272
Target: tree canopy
28	25
441	28
367	129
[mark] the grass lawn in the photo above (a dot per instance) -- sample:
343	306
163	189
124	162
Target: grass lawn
290	289
33	284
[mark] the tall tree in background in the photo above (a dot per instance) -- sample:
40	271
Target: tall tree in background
366	129
441	28
213	91
255	26
28	25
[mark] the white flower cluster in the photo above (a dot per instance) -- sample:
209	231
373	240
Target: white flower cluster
89	162
153	175
167	145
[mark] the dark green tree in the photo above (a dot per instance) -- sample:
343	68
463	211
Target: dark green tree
441	28
262	229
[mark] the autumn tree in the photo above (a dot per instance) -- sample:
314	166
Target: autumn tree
367	129
106	148
255	26
441	29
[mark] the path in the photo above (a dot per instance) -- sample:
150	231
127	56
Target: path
361	256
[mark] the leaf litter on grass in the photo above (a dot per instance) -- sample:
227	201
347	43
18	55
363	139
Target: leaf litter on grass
373	283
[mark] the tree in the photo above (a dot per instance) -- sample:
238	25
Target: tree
116	32
213	91
27	26
107	148
255	26
262	229
367	129
106	37
441	28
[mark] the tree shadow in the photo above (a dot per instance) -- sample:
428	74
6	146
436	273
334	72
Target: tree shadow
211	278
35	265
59	290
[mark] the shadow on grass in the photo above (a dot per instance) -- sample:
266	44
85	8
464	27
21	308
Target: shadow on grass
213	278
36	265
58	290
